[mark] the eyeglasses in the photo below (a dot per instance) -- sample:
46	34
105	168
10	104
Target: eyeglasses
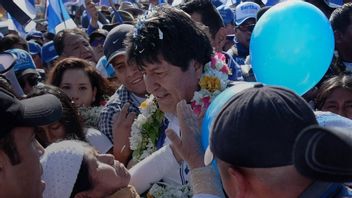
245	28
97	42
32	80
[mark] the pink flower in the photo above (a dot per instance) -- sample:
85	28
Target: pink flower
225	69
206	102
197	109
220	56
213	62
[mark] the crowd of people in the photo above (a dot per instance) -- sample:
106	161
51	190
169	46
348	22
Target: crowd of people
115	109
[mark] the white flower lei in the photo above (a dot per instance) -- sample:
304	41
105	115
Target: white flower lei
142	140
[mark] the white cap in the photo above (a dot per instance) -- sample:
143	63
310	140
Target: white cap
61	163
245	11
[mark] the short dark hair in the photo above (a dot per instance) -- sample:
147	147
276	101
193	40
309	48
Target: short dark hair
210	16
344	80
170	33
11	41
340	18
59	39
96	80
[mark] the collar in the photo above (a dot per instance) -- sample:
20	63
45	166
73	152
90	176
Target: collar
321	190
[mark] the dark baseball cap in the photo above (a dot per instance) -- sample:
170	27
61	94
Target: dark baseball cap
257	127
36	111
114	43
324	154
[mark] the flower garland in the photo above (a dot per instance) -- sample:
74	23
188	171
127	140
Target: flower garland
212	82
146	128
164	190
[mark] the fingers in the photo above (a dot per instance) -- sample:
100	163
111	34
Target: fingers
131	117
124	110
187	119
175	140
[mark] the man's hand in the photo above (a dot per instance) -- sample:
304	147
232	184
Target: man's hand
121	134
188	146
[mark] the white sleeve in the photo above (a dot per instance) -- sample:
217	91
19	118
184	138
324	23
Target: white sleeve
152	169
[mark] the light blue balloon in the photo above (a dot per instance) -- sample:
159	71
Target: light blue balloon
216	106
292	46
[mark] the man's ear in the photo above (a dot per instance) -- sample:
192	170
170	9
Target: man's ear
220	38
238	182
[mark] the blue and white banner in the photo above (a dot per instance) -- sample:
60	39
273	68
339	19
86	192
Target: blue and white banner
58	17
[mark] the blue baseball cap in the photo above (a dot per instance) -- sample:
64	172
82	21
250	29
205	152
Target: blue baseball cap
334	3
105	68
227	14
49	52
24	62
34	48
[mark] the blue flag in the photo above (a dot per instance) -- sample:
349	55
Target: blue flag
58	17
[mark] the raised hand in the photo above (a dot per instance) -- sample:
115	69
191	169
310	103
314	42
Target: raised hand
188	146
121	134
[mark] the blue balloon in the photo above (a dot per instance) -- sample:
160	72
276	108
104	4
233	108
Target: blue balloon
292	46
216	106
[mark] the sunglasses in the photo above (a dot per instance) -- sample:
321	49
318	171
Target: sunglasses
31	80
246	28
97	42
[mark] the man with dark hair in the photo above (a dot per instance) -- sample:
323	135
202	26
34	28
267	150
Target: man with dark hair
20	169
173	52
341	22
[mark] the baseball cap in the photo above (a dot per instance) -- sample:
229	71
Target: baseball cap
246	10
257	127
114	42
24	62
36	111
227	14
334	3
34	48
49	52
324	154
